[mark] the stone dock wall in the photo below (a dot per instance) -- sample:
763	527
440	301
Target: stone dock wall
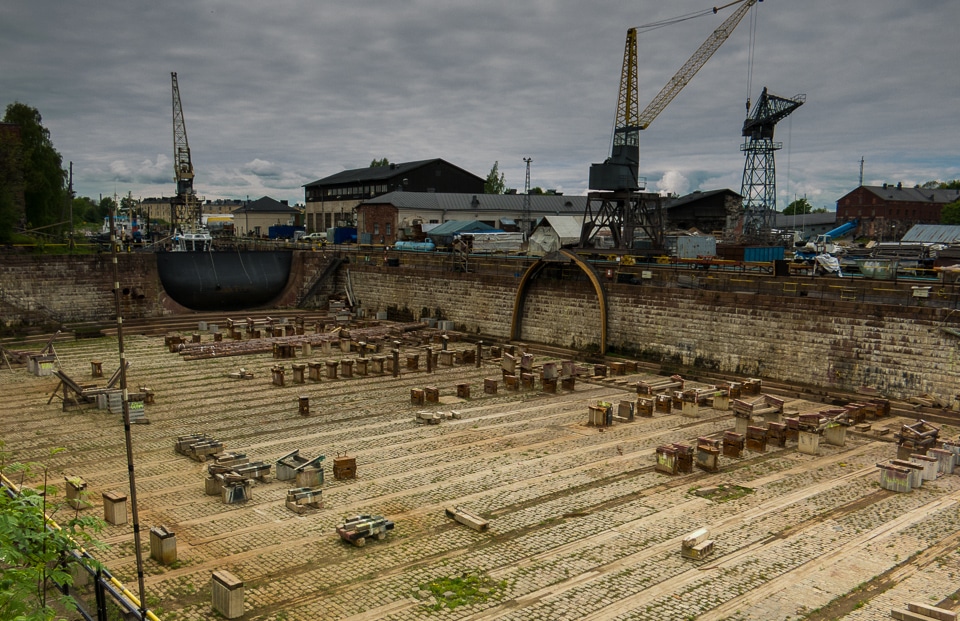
896	348
737	326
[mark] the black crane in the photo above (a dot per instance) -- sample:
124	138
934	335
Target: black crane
759	188
619	206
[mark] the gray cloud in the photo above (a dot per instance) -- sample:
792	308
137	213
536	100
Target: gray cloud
276	95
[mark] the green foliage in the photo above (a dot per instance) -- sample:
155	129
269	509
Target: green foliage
466	589
34	556
44	180
379	163
495	183
950	214
797	207
942	185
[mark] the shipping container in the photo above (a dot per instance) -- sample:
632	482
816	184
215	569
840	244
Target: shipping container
762	254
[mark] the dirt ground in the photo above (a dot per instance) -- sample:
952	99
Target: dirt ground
580	525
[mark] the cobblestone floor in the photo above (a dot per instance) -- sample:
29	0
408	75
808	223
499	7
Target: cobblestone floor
580	524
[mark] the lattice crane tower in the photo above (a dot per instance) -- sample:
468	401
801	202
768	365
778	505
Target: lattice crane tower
759	188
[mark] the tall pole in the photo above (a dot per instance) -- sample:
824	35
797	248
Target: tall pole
128	437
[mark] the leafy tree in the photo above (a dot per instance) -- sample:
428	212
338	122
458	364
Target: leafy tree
34	557
950	214
537	191
797	207
495	181
951	185
819	210
44	180
11	183
378	163
85	210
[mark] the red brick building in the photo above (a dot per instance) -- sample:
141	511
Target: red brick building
886	212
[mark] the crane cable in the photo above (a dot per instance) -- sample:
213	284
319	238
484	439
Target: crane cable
750	53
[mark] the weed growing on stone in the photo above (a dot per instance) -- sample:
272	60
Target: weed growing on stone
466	589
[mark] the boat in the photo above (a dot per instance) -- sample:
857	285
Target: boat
213	280
198	275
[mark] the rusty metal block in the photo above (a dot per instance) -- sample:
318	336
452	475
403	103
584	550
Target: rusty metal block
733	444
756	439
344	467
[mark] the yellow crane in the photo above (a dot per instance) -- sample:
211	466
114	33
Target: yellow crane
619	171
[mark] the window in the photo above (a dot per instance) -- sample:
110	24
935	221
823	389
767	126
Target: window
376	228
389	229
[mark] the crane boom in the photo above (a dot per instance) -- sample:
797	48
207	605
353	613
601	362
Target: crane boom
183	167
186	206
693	65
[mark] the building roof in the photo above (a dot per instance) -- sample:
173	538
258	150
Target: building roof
567	228
540	204
798	221
266	204
914	194
452	227
933	234
378	173
696	196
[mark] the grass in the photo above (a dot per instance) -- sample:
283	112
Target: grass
723	492
464	590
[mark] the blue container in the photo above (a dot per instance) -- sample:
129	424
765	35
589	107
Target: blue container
762	254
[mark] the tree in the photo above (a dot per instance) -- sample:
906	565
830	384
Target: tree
950	214
495	181
797	207
44	180
35	557
378	163
11	182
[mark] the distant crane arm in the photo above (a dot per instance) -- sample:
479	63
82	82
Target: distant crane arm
693	65
183	166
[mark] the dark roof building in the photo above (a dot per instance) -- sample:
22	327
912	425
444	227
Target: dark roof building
705	211
888	211
331	200
256	217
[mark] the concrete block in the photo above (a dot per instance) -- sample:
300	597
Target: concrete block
227	594
163	545
115	508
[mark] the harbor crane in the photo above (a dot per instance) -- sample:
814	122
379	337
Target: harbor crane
615	185
186	205
759	188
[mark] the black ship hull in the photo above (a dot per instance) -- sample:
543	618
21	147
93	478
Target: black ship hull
224	281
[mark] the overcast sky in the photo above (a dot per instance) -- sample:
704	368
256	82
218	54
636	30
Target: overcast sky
278	94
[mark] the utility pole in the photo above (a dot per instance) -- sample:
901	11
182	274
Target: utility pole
526	197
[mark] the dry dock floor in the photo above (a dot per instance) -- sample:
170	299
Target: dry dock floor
580	524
